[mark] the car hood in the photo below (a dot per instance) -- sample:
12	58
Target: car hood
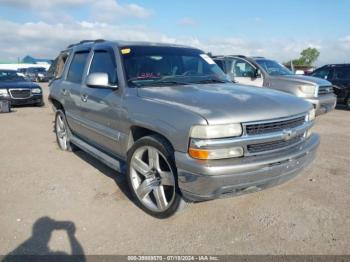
228	103
304	80
19	84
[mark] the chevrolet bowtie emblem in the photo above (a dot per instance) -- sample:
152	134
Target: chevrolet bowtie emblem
288	134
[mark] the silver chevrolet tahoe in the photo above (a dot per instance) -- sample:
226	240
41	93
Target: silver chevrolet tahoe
168	118
263	72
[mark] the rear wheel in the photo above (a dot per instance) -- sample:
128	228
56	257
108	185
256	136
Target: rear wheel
152	177
62	131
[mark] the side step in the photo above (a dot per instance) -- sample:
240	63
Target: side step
99	155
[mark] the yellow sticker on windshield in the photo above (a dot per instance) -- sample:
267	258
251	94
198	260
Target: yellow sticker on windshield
125	51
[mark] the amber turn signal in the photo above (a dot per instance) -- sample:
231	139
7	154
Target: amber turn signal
199	153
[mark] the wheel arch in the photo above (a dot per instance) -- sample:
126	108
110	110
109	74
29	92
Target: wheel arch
56	104
137	132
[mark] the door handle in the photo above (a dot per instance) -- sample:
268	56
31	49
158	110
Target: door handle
84	98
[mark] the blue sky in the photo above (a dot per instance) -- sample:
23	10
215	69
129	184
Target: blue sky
280	29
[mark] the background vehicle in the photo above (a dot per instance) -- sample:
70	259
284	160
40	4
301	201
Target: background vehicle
170	118
22	72
18	90
339	76
262	72
36	74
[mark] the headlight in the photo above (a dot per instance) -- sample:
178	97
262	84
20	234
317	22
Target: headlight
308	90
311	115
3	92
216	131
202	138
36	91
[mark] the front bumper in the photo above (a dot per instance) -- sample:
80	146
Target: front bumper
323	103
204	180
33	100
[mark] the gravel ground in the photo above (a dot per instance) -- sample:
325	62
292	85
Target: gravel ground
57	201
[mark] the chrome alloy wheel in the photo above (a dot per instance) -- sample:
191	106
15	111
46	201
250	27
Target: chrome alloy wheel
152	178
61	132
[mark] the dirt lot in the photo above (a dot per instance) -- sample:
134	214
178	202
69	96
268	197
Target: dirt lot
42	185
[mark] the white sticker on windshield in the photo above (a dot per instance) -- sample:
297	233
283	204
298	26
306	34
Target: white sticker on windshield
207	59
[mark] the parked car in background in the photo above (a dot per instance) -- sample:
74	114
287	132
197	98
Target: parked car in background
36	74
22	72
170	118
262	72
339	76
18	90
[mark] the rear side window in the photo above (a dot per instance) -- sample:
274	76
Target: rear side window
103	62
342	73
56	69
76	69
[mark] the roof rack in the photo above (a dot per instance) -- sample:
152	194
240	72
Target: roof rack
86	42
257	57
219	56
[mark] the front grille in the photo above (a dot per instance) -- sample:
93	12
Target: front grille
323	90
270	127
20	93
269	146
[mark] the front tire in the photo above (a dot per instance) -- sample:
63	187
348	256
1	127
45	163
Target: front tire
41	104
62	131
152	177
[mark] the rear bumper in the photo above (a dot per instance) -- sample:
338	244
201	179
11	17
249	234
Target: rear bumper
205	180
35	99
323	103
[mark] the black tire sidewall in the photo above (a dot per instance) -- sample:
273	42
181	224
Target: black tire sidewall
163	146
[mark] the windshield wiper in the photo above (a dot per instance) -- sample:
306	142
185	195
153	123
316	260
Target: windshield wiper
166	82
208	81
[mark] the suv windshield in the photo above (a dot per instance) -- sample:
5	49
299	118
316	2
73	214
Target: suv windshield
10	76
273	68
160	66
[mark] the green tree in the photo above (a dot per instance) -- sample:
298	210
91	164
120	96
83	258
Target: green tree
307	57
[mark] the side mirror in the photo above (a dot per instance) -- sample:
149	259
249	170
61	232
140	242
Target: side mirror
99	80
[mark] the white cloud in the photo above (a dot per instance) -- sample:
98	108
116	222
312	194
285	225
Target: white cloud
44	5
111	10
186	21
60	10
45	40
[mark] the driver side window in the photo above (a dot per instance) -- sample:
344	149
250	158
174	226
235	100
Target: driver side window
103	62
241	68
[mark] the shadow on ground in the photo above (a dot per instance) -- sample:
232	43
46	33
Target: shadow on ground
118	178
38	244
341	107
